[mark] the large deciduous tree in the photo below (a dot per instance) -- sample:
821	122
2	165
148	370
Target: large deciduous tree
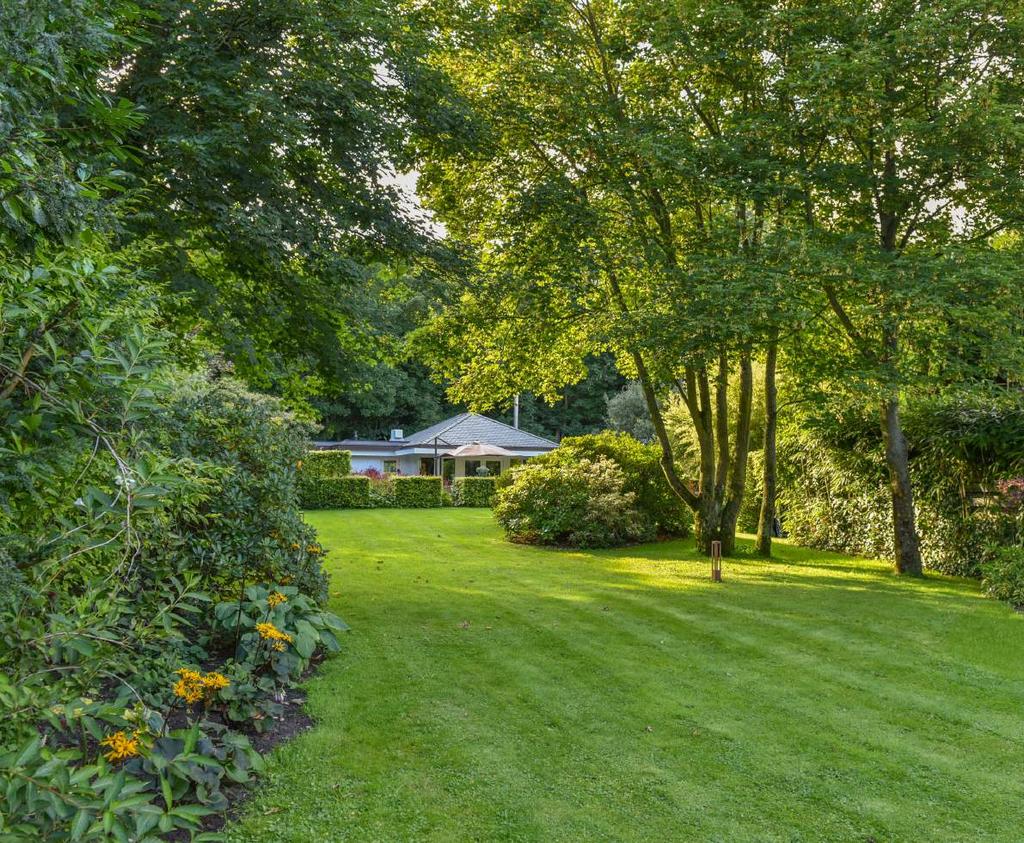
611	210
272	139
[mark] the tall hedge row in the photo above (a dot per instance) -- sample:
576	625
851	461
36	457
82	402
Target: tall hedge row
473	491
351	492
327	464
325	481
417	492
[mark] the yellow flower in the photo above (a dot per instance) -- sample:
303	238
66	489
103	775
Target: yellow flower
298	464
215	681
275	599
194	686
273	634
312	548
121	746
295	546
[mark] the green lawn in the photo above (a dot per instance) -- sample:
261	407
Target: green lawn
495	692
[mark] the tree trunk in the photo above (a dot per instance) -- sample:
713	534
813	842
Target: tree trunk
906	545
738	479
766	523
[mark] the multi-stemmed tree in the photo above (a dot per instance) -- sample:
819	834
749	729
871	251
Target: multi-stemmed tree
611	209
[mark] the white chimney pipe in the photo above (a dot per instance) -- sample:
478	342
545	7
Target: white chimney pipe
515	413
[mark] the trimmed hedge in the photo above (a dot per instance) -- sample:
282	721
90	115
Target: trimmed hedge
327	464
417	492
473	491
324	482
351	492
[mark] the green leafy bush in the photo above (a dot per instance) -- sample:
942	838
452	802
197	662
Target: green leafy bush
247	525
473	491
130	497
351	492
834	493
315	469
641	468
417	492
1002	575
582	504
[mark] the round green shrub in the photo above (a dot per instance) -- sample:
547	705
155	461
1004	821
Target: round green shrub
657	505
581	504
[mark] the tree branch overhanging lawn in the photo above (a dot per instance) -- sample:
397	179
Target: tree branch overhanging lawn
491	691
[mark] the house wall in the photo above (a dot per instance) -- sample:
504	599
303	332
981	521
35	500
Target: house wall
360	464
409	464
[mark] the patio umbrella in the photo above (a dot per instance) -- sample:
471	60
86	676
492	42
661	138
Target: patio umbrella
480	449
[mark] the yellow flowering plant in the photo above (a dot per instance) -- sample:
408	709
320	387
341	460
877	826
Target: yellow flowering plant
277	627
193	686
121	747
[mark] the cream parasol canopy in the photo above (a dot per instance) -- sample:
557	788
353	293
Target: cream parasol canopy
480	449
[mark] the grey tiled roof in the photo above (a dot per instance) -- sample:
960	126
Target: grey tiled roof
467	428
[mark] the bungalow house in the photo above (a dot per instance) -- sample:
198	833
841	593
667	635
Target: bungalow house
456	447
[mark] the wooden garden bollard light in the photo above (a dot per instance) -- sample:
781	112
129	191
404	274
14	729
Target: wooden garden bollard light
716	561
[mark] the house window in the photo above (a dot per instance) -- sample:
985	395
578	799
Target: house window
391	466
494	467
471	467
426	466
448	471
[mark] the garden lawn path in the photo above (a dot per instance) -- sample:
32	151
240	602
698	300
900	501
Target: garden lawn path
491	691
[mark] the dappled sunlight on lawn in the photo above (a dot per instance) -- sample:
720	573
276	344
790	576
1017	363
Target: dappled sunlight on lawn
499	691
